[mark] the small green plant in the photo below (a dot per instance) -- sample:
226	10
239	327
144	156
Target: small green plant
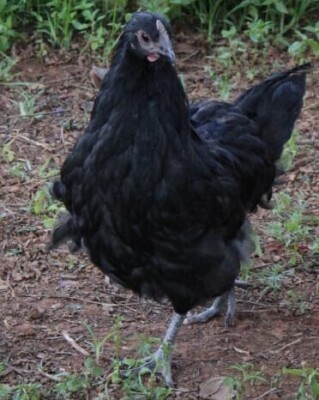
23	391
296	301
224	87
124	371
291	227
71	384
57	23
7	154
273	276
309	387
7	31
146	345
71	262
221	82
246	270
6	65
308	41
212	15
20	169
97	344
48	169
45	207
27	105
98	22
247	376
315	246
171	8
230	55
257	30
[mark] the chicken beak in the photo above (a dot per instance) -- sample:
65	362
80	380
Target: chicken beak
167	52
164	45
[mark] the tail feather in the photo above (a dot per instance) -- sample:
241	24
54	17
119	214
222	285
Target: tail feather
275	105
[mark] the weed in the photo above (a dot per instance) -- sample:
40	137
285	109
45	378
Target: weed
97	344
308	40
7	154
56	24
7	31
18	168
309	387
273	276
45	207
146	345
133	385
5	391
6	65
248	376
229	55
212	15
48	169
27	104
21	170
58	21
70	384
221	82
315	246
23	391
296	302
258	30
290	227
134	388
171	8
71	262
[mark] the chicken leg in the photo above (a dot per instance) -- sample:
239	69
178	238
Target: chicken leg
216	309
160	361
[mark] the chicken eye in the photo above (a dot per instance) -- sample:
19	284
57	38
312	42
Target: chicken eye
145	38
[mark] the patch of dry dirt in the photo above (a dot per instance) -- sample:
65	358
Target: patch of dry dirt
43	295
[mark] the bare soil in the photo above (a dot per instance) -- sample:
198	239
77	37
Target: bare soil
45	295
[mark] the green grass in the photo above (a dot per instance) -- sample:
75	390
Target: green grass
246	380
6	65
41	204
291	226
290	23
94	377
308	388
245	375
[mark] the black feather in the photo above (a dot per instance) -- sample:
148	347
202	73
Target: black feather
159	191
65	230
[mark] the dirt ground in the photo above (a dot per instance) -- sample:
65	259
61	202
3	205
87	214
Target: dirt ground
45	295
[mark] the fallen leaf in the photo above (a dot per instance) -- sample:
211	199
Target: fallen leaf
215	388
25	330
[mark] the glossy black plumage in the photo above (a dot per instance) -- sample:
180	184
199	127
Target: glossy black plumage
158	191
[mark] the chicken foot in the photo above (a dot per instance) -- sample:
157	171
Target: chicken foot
160	361
215	309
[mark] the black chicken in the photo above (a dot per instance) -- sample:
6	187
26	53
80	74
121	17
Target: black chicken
160	203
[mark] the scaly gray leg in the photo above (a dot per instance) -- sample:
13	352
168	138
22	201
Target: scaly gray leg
216	309
160	361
